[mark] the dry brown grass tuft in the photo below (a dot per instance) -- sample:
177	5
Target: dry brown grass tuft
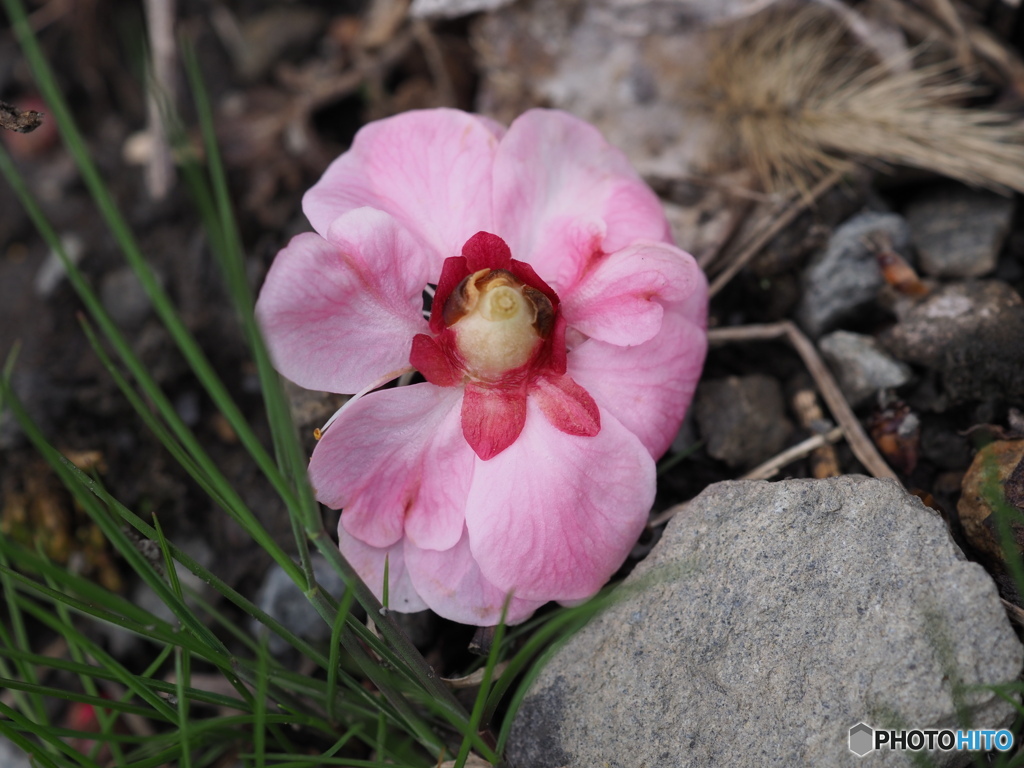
798	97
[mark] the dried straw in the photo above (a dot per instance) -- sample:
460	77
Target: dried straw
799	97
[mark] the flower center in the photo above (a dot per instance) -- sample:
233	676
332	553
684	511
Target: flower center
498	321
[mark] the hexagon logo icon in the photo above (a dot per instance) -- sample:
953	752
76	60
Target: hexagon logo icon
862	739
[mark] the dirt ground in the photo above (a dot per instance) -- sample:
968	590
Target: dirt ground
290	84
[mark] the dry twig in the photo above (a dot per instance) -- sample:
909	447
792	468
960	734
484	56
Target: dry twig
435	62
858	439
766	470
804	448
1015	612
861	445
824	462
995	59
161	95
769	228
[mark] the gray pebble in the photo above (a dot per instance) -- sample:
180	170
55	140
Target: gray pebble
12	756
124	297
861	366
843	280
959	231
281	599
742	418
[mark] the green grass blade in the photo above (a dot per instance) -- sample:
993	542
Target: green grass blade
104	717
67	695
334	660
183	675
566	622
480	704
232	263
285	439
43	758
158	686
123	676
260	715
237	510
17	638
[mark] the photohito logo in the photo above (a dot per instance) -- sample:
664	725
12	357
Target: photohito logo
865	739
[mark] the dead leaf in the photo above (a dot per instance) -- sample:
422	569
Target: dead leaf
19	121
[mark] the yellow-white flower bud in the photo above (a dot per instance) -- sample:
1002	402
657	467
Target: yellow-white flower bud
498	322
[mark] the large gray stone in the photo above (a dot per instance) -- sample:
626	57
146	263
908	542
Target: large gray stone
971	334
769	620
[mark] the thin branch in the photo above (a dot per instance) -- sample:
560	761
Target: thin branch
161	94
774	225
766	470
804	448
435	62
858	439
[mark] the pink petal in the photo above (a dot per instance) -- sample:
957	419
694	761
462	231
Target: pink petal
567	405
338	314
618	299
554	515
558	183
429	169
368	562
492	417
648	387
452	585
396	461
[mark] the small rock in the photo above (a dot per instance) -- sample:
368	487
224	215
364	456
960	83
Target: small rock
844	279
12	756
970	333
769	620
44	401
281	599
943	445
189	407
52	270
984	483
861	365
124	298
742	418
959	231
896	432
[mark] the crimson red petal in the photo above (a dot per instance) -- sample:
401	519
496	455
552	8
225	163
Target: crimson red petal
486	251
523	271
452	273
429	358
492	417
567	405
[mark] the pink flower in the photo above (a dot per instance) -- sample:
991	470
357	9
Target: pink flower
565	339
